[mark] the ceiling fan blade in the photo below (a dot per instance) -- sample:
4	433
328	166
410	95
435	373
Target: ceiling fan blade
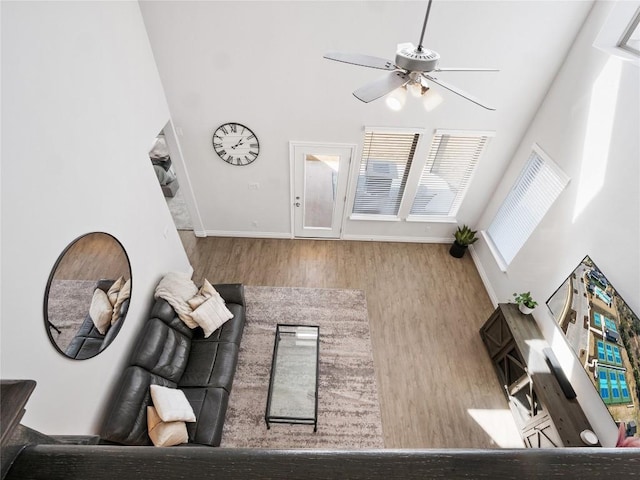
445	69
457	91
381	86
361	60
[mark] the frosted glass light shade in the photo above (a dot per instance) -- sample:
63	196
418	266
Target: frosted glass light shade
396	99
431	100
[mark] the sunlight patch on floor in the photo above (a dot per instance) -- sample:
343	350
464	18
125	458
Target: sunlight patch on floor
499	425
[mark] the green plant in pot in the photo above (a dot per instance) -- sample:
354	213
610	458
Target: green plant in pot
525	302
464	237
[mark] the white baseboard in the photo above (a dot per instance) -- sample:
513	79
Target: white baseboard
287	235
243	234
400	239
483	275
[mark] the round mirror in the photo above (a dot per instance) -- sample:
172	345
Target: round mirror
87	295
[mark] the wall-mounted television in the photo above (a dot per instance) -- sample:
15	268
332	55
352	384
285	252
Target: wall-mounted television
604	334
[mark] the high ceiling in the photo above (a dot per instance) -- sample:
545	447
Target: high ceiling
260	63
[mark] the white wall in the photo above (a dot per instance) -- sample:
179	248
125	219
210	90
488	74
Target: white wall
260	64
588	124
81	104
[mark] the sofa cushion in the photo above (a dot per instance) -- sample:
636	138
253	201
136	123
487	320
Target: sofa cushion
171	404
88	329
165	434
126	418
230	331
162	310
231	292
123	296
101	311
211	315
210	364
82	348
162	350
210	407
115	327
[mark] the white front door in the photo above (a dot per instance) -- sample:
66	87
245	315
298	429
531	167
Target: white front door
320	174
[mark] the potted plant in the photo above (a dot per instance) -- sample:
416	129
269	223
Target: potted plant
526	304
464	237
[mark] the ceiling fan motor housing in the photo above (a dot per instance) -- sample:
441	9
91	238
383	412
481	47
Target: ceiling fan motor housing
414	60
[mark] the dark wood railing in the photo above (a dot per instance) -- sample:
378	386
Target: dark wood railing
101	462
31	455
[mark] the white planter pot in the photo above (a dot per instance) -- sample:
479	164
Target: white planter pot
524	309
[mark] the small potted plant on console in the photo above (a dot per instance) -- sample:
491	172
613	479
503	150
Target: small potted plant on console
526	304
464	237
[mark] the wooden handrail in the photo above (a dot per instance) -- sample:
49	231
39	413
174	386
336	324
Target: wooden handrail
101	462
13	397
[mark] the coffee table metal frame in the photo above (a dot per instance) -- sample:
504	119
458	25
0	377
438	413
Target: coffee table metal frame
269	419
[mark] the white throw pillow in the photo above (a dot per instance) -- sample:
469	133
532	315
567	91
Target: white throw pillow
165	434
211	315
112	293
171	404
207	289
100	311
196	301
123	294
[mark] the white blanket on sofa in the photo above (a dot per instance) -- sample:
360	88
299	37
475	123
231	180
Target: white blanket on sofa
176	288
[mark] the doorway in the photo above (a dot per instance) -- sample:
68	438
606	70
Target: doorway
168	164
320	174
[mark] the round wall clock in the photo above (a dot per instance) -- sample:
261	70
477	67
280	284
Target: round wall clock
236	144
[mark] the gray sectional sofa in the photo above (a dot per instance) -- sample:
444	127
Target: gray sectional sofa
170	354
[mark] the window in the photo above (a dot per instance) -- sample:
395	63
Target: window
539	184
630	41
620	33
451	162
384	167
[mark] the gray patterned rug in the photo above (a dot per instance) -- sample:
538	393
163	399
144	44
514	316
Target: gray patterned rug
348	408
67	307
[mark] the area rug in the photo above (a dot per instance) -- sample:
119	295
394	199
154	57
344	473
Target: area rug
67	307
348	407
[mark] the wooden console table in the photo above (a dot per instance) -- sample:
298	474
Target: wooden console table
544	413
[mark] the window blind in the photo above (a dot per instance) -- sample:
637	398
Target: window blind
450	165
538	186
384	167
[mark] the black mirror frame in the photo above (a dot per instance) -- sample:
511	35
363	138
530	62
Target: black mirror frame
47	323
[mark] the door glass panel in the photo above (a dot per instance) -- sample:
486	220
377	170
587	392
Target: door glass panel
320	180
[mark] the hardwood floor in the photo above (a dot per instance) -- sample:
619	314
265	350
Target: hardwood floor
93	257
436	384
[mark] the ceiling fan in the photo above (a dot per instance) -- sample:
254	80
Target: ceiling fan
412	68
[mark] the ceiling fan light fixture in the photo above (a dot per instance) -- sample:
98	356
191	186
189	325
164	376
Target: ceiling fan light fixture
416	89
431	99
396	99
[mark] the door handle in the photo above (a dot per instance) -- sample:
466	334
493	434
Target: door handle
297	204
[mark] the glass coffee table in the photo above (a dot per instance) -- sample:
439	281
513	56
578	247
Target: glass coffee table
293	386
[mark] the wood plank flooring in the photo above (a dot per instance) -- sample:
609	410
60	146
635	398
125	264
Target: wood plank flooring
425	307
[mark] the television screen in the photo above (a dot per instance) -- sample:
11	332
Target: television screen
605	335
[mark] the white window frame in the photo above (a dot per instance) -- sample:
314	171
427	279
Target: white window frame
635	21
472	164
613	30
355	172
511	202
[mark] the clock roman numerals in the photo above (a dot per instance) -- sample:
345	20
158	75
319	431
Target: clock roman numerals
236	144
